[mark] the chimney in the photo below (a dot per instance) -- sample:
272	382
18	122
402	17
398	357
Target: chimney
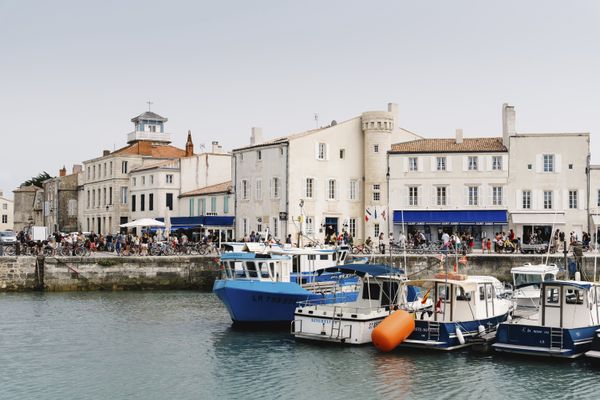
459	136
189	145
105	153
77	168
256	137
1	193
62	171
508	123
215	147
393	108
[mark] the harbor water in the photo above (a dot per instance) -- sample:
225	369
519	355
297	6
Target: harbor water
180	345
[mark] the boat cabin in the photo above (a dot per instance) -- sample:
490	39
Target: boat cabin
251	266
569	304
533	275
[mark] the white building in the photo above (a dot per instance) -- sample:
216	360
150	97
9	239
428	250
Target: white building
452	185
319	181
594	203
6	213
548	180
105	196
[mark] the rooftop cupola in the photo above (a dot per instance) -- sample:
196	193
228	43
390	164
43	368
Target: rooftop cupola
149	126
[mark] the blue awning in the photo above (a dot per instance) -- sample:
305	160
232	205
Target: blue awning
451	217
193	222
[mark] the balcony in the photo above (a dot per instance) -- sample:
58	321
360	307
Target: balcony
151	136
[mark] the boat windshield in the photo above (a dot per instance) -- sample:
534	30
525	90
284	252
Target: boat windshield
527	279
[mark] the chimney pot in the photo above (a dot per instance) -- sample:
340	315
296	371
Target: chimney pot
62	171
459	135
105	153
256	137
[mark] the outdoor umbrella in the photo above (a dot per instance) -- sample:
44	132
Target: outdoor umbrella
143	222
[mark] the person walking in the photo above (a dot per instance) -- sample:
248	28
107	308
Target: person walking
381	243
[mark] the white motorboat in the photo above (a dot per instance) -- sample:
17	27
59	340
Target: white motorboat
527	280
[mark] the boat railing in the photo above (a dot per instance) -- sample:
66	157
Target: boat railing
339	310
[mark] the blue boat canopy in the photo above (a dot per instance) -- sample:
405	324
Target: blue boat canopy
363	269
451	217
577	284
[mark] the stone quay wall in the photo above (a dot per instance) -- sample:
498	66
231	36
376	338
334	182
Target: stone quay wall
199	272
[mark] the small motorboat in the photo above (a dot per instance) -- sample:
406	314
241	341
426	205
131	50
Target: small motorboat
563	326
527	280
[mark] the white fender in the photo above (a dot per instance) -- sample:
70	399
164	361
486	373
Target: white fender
577	276
459	335
481	329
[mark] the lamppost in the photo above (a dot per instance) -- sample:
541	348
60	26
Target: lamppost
301	221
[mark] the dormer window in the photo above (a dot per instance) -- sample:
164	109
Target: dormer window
152	128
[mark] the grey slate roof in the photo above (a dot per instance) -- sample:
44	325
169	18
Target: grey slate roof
149	115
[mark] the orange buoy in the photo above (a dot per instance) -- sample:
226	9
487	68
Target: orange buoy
393	330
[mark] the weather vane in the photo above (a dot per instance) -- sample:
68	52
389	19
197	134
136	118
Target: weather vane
149	104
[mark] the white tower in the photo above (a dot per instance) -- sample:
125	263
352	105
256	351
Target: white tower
377	128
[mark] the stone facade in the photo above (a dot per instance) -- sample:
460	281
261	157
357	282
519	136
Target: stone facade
61	202
28	206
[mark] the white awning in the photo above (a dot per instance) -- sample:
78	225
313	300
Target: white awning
596	220
538	218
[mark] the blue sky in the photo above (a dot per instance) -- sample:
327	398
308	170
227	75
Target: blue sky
73	73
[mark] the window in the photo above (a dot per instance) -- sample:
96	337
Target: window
213	204
352	189
169	178
413	195
548	162
331	189
376	230
497	195
245	226
89	170
110	196
472	163
310	188
598	200
124	195
191	206
201	206
441	195
133	203
111	169
570	166
259	155
103	196
529	166
124	167
441	163
4	218
352	226
151	202
104	170
169	199
244	189
526	199
376	192
473	195
152	128
151	179
497	163
88	198
310	227
134	181
321	151
93	198
547	199
375	148
143	180
552	295
413	164
275	188
94	172
258	189
342	154
142	202
572	198
225	204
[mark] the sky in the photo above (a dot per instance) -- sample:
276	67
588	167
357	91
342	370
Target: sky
73	73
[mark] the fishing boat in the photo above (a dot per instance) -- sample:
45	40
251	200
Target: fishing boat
351	322
594	353
263	288
465	309
563	326
527	280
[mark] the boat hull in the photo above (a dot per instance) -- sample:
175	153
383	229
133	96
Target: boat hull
428	334
536	340
257	302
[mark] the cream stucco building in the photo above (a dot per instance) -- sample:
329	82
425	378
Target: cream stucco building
316	182
6	213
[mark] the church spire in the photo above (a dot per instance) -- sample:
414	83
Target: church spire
189	145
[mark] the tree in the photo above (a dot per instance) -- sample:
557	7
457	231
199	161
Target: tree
37	180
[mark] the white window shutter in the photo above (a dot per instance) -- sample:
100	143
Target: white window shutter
420	164
449	163
505	163
449	194
271	187
465	163
519	199
434	163
565	199
303	194
317	151
558	162
405	164
466	196
327	151
539	163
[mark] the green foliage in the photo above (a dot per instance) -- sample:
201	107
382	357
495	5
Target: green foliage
37	180
107	262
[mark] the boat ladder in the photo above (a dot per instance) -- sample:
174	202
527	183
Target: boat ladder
433	331
336	323
556	338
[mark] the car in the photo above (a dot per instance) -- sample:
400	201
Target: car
8	237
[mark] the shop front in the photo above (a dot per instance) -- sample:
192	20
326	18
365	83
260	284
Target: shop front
479	223
537	227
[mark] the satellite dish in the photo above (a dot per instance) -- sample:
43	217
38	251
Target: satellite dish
333	122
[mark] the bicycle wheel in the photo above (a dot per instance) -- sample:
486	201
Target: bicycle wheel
79	251
10	250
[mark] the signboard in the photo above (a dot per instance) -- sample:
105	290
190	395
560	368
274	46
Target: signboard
283	216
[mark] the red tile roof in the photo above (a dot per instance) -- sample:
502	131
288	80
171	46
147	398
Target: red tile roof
472	145
148	148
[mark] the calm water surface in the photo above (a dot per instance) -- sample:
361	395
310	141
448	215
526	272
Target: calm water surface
179	345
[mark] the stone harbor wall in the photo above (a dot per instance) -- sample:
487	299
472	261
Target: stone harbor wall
199	272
